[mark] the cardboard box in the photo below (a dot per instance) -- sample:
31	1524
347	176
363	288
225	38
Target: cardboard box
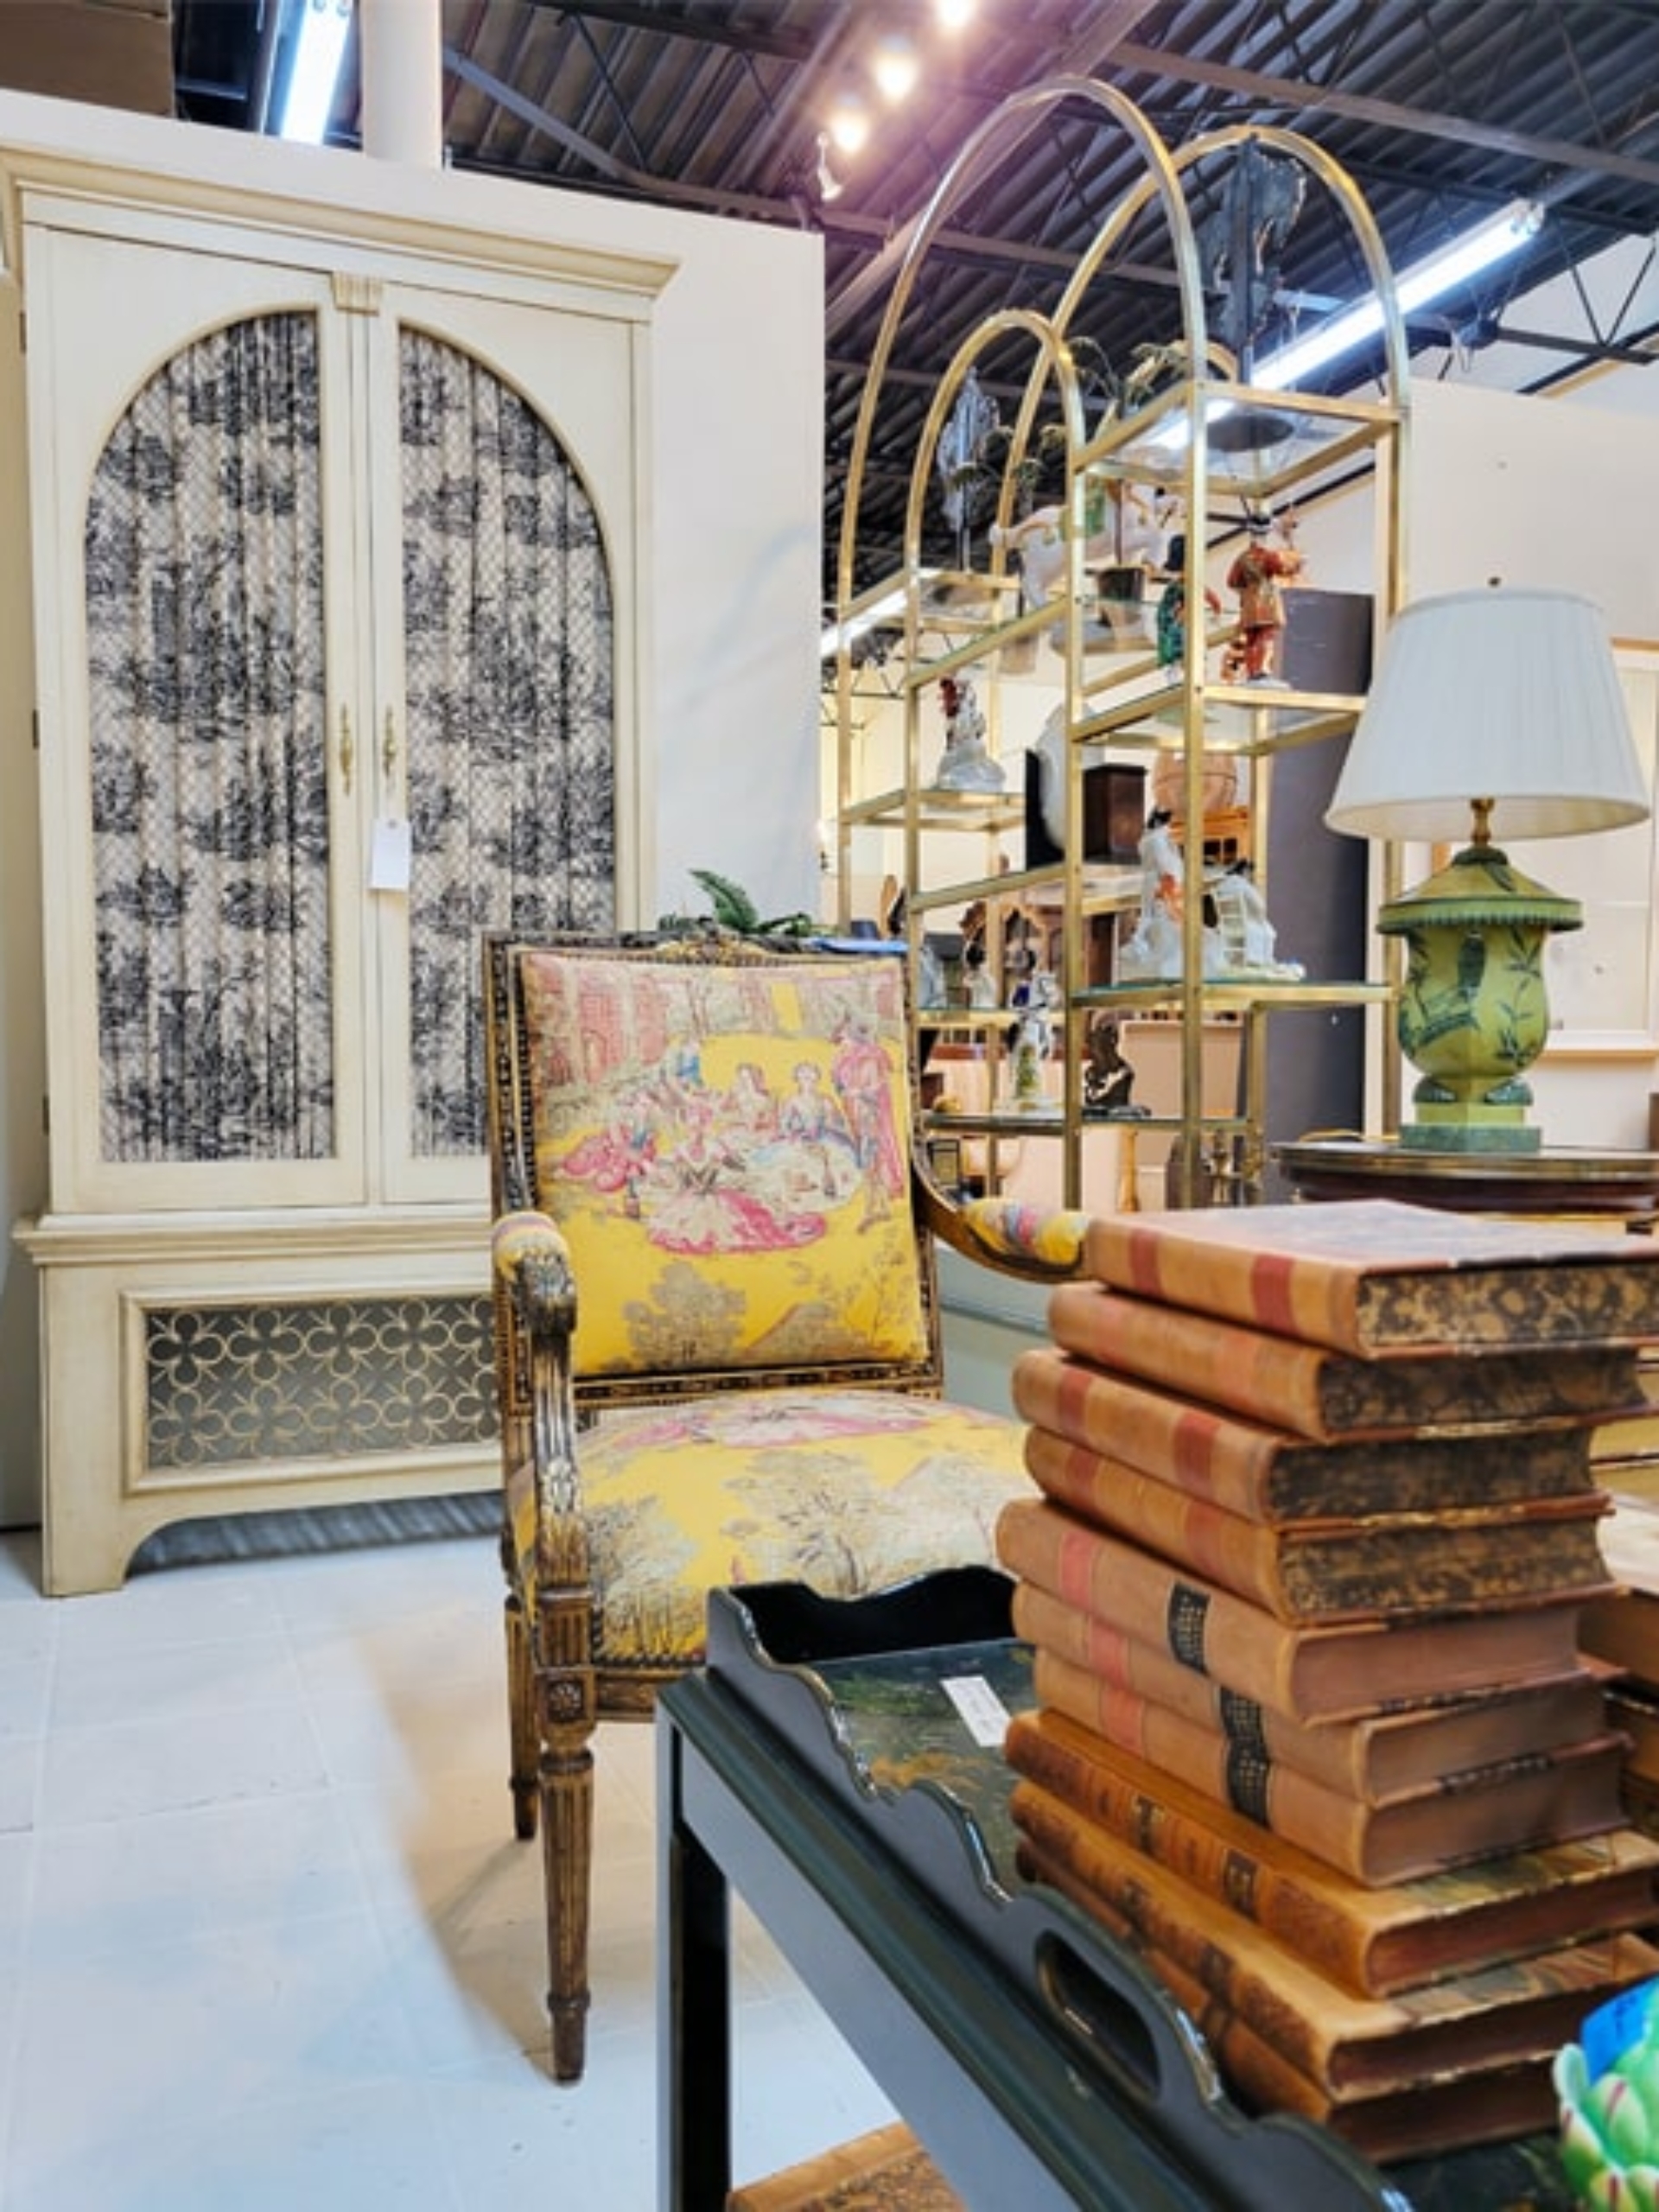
109	53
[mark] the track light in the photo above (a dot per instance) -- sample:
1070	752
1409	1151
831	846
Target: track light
849	124
830	185
896	68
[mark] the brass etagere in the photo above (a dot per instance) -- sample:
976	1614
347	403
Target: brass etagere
1191	441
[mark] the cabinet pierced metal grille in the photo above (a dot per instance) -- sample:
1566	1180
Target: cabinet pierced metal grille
331	1378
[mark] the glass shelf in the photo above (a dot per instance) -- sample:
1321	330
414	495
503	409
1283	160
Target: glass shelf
1245	720
989	813
1050	1120
1260	443
1105	888
1233	994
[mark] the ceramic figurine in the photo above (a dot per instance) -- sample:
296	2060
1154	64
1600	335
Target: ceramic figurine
965	765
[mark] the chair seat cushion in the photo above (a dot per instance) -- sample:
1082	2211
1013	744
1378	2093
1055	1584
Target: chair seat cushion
848	1491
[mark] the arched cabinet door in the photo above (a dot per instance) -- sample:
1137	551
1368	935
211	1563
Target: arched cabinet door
337	671
500	597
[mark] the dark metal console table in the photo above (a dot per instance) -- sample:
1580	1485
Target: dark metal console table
1038	2061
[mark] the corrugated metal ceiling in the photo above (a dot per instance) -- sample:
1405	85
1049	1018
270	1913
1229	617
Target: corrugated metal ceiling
1442	111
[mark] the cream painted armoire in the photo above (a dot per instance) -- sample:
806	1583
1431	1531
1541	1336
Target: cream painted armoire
338	601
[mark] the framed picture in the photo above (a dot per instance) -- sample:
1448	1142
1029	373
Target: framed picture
1603	979
948	1161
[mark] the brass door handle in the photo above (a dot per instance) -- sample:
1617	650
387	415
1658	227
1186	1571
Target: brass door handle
346	750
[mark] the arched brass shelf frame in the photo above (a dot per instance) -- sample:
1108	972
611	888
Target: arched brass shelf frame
1373	431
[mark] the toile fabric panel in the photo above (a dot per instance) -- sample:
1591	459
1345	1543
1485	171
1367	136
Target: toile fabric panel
210	807
726	1151
509	659
209	732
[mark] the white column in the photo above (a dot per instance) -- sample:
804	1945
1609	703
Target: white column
402	74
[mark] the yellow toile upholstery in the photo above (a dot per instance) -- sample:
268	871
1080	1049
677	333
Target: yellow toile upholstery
729	1159
717	1340
874	1488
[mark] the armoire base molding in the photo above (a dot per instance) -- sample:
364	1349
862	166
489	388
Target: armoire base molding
198	1365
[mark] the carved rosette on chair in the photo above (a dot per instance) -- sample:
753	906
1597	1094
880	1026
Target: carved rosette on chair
714	1234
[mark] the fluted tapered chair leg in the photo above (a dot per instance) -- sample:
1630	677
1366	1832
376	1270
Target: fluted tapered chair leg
566	1805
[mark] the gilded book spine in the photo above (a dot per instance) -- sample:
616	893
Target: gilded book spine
1068	1836
1493	2106
1375	1757
1553	1796
1328	1822
1111	1589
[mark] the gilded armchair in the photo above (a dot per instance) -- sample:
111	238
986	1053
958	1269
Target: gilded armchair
717	1339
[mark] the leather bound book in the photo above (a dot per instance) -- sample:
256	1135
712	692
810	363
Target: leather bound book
1372	1275
1622	1627
1374	1939
1112	1589
1349	2046
1633	1709
1571	1792
1387	1564
1325	1395
1272	1474
1375	1757
1489	2104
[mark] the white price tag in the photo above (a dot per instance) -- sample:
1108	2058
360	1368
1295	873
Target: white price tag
390	856
982	1713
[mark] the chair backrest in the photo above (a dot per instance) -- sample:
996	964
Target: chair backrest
726	1137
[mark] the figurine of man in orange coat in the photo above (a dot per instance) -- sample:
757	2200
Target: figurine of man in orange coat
1259	575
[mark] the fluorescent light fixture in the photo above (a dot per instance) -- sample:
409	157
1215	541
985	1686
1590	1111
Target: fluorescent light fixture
315	70
1429	279
1425	281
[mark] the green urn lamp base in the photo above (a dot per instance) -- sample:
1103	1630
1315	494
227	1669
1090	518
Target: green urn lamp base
1473	1015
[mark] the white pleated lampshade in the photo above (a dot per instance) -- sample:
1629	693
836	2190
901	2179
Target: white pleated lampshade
1511	695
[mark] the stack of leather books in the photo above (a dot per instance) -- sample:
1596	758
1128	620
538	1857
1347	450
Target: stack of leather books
1315	1534
1623	1629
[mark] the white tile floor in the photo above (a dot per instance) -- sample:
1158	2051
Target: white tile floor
265	1937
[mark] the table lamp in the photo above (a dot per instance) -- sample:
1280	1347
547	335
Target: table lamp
1501	703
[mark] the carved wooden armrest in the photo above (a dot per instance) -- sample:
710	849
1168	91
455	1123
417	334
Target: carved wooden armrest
533	1263
1039	1244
